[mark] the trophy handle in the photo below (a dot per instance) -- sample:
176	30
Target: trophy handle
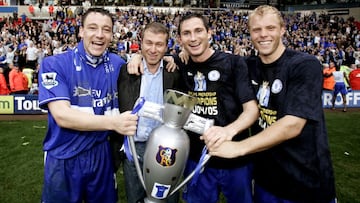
149	110
196	124
191	175
136	160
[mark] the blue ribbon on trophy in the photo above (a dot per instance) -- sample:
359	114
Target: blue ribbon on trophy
168	146
138	105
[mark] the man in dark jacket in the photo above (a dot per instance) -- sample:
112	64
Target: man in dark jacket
150	85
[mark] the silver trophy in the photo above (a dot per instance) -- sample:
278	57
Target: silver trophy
168	146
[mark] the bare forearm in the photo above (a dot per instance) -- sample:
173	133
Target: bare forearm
246	118
82	121
282	130
70	118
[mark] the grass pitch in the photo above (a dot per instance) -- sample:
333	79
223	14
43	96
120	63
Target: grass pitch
21	165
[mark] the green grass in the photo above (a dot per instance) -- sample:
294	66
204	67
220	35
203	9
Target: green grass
344	138
21	165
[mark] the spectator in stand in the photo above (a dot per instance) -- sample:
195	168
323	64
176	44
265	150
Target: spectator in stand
124	55
20	55
22	45
134	47
23	17
346	69
31	56
51	10
34	89
31	10
28	72
40	5
329	82
18	81
4	90
58	49
5	66
354	78
10	53
2	49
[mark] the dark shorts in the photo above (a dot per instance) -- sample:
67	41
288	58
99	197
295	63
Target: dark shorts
263	196
88	176
235	184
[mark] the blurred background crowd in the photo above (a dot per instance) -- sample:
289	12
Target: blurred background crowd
24	42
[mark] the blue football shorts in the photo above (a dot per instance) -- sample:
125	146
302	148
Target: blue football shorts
235	184
89	176
340	88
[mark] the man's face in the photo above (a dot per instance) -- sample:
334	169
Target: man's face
332	65
266	33
96	33
153	48
195	38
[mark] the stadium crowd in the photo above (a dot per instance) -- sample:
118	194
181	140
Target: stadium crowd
25	42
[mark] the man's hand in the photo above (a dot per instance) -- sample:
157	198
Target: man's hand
135	65
215	136
171	65
227	149
184	56
125	123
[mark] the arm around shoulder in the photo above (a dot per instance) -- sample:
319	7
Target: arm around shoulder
74	119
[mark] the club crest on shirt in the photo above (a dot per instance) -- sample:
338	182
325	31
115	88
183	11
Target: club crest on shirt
49	80
214	75
200	82
277	86
166	156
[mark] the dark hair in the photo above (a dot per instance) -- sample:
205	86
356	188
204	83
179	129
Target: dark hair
203	18
156	27
96	10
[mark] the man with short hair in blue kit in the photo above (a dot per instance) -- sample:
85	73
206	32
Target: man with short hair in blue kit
79	88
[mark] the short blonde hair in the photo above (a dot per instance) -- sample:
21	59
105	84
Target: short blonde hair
265	9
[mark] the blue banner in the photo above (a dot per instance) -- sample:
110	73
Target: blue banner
8	9
352	99
29	104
